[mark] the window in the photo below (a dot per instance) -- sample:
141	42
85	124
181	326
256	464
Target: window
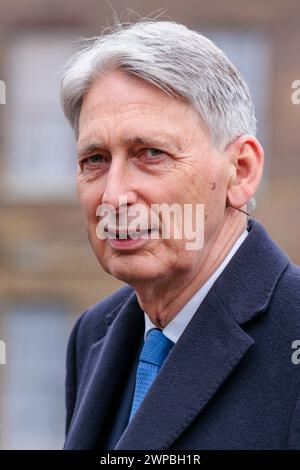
39	148
32	389
250	52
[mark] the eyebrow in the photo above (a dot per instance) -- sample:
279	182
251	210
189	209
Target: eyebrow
128	140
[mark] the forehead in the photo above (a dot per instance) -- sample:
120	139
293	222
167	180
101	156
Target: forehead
115	89
117	99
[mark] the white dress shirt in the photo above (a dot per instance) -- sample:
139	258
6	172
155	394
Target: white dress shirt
176	326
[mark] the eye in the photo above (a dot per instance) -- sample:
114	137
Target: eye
153	153
94	161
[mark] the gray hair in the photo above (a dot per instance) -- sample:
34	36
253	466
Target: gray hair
181	62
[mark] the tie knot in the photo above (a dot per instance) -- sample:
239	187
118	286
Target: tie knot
156	347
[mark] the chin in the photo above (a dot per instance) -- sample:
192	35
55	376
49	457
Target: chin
131	272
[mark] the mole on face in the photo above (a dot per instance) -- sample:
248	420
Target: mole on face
213	185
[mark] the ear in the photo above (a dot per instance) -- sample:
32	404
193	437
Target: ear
246	158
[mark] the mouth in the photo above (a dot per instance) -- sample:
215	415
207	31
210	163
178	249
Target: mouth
125	235
120	239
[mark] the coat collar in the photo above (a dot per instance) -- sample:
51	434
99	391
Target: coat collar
210	348
248	281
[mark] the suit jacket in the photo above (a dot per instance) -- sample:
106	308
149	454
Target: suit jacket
228	383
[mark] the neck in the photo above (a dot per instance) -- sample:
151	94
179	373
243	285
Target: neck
163	300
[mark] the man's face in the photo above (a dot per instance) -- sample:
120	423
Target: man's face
138	142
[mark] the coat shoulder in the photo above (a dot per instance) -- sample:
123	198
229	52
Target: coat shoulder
284	307
92	324
287	291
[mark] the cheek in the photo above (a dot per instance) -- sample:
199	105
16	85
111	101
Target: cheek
208	187
211	184
89	201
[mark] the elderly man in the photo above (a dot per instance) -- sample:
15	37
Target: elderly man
196	350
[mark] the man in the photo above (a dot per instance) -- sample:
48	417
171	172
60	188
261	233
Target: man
196	351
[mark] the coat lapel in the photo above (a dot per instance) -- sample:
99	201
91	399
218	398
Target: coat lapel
107	366
211	347
207	352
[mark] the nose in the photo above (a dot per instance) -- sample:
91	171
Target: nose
119	184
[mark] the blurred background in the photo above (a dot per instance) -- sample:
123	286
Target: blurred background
48	273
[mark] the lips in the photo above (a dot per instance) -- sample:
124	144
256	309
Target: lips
124	234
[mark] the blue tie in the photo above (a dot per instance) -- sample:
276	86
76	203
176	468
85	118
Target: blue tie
153	354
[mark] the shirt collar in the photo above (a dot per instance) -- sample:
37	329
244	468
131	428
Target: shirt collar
177	325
